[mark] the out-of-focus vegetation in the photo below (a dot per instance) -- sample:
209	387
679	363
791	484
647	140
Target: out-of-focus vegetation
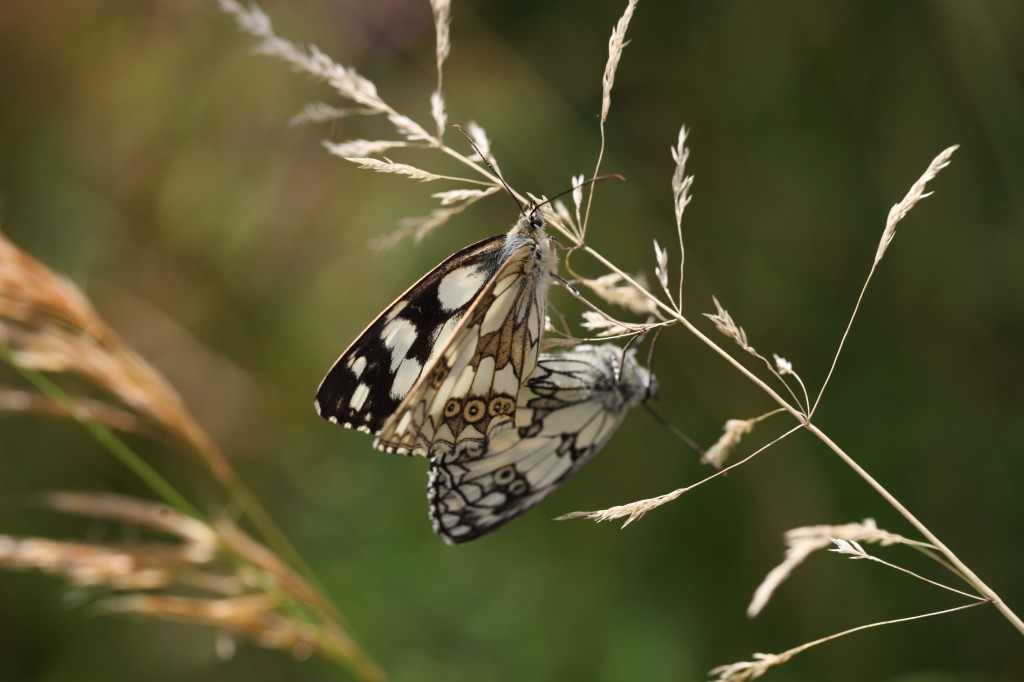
146	154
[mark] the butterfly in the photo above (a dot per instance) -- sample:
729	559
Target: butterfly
567	411
440	370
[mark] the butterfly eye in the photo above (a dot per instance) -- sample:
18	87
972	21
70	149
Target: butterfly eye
474	411
452	408
501	405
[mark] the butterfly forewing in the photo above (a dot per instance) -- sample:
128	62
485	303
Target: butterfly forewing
567	411
470	392
376	373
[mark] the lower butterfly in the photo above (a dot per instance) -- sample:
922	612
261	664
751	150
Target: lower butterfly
440	370
566	412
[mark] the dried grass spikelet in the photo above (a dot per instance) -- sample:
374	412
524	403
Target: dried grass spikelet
48	325
354	149
732	434
321	112
616	44
602	325
213	575
726	325
804	541
916	193
442	10
632	511
614	289
388	166
745	671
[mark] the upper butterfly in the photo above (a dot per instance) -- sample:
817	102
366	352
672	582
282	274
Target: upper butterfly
439	371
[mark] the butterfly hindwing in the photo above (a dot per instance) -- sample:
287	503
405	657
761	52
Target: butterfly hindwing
470	392
375	374
566	412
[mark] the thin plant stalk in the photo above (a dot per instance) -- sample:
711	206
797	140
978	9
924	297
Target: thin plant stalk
969	576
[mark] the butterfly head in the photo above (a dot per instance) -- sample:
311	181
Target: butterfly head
535	218
637	381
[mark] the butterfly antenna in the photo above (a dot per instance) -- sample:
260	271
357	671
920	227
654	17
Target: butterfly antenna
681	435
673	429
494	170
650	351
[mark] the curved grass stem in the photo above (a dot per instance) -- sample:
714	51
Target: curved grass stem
968	575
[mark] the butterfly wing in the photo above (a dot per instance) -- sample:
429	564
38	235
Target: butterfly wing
374	374
567	412
471	390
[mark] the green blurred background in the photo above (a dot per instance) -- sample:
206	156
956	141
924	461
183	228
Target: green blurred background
146	154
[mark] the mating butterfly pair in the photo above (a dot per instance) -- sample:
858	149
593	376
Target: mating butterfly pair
453	370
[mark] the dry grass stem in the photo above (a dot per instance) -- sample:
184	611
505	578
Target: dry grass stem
636	510
726	325
896	214
855	550
783	368
745	671
804	541
49	326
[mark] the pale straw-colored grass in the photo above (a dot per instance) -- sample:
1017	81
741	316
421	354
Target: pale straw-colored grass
48	325
191	572
48	329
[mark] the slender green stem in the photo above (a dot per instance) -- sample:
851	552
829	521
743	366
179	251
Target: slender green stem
110	440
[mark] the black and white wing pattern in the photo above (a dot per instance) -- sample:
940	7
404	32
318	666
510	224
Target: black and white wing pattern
470	392
374	374
566	412
470	327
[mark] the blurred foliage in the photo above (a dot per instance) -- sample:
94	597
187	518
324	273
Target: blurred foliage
146	154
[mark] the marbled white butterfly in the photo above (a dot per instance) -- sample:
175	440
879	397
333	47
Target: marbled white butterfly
567	411
440	370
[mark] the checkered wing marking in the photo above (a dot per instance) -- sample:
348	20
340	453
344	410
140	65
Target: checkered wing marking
470	393
373	376
567	411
